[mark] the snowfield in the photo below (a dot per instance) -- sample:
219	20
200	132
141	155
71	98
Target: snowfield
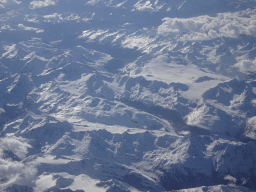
132	95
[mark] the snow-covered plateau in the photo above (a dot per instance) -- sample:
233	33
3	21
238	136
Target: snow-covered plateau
127	95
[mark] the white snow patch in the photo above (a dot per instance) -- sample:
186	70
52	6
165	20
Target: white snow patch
51	159
86	183
10	51
44	182
161	69
197	115
140	42
74	87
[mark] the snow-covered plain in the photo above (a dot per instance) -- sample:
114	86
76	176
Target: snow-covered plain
132	95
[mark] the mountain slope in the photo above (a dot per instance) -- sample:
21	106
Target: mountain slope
127	96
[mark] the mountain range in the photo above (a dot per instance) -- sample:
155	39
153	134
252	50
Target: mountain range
133	95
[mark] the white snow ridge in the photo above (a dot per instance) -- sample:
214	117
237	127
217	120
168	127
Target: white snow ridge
127	96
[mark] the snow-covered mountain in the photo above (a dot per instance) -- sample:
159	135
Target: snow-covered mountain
132	95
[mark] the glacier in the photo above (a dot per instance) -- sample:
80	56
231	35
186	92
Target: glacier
132	95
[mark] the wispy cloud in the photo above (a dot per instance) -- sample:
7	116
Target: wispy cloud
14	171
53	17
40	4
4	3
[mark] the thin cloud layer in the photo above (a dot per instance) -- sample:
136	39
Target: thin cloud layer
205	27
40	4
247	66
53	17
37	30
12	170
4	3
16	145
